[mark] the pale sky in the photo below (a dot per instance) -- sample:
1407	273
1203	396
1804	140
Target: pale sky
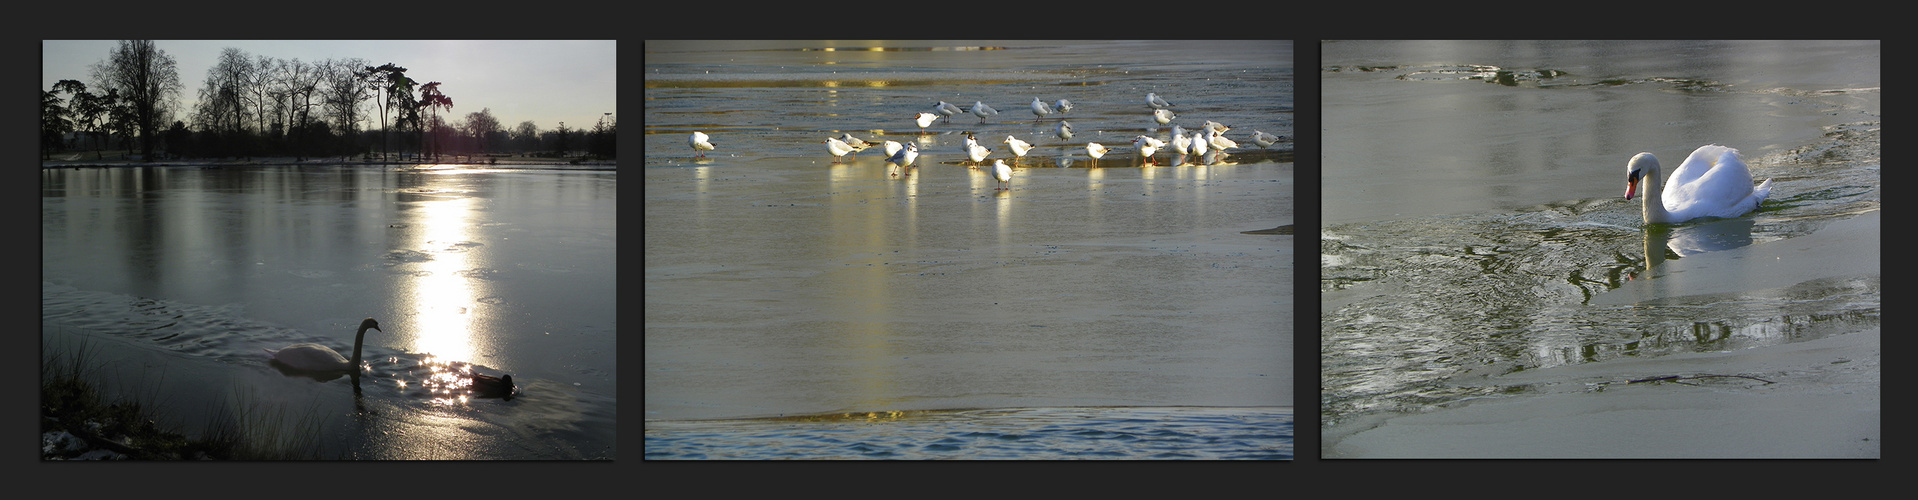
546	81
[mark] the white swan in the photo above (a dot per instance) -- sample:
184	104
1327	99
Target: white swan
1713	182
319	358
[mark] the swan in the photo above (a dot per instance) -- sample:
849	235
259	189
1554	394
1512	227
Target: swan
318	358
1713	182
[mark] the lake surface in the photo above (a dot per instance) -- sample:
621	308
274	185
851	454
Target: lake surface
176	279
1475	225
785	289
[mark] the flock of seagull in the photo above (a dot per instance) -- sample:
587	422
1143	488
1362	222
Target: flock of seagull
1210	136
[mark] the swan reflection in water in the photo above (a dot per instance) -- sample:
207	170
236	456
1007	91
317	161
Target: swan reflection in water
1665	241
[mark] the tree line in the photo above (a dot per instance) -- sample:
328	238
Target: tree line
263	106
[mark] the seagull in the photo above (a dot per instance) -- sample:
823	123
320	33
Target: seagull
1040	109
1212	125
1001	171
947	110
856	144
1063	105
981	110
1163	116
700	143
1156	144
838	149
1153	100
1095	150
925	119
905	157
1146	149
892	148
974	151
1264	140
978	153
1198	144
1064	130
1180	142
1019	148
1219	142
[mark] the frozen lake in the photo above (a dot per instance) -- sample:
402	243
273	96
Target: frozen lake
178	278
782	283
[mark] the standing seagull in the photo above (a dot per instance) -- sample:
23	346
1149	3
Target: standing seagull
1019	148
700	143
925	119
947	110
1063	105
1155	102
981	110
1264	140
1179	141
1146	149
1064	130
1163	116
1219	142
856	144
838	149
905	157
1040	108
1001	171
1096	151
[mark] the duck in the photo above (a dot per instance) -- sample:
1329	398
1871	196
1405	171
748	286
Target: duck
1712	182
312	357
490	386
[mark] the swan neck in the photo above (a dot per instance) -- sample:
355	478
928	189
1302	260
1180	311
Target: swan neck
359	340
1653	182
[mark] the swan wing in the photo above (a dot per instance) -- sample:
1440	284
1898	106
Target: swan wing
310	357
1713	182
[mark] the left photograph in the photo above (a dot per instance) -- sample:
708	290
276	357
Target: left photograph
969	250
328	250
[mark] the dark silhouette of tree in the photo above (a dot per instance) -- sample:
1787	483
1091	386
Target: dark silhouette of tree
224	108
381	80
87	110
345	89
147	79
527	135
431	101
481	125
53	122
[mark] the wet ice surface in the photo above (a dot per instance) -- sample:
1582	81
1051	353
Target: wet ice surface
179	277
1463	264
1017	434
779	282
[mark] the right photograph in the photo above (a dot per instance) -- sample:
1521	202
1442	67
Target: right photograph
1600	249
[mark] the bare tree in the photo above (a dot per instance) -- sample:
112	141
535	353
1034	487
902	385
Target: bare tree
223	107
147	79
481	125
527	135
345	89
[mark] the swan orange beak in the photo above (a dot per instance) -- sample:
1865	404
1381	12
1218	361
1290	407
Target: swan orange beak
1631	185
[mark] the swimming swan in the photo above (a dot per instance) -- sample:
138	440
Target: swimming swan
1713	182
318	358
